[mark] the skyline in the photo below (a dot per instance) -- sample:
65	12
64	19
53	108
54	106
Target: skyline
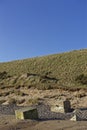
34	28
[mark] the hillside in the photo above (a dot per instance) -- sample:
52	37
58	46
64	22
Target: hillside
65	70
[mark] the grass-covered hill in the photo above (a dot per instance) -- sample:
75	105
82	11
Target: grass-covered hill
66	70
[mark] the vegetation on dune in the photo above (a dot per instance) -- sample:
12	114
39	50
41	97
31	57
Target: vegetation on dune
66	70
82	79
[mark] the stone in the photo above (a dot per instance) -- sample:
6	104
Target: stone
57	109
74	118
64	108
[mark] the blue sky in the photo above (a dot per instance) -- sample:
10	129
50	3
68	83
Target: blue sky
30	28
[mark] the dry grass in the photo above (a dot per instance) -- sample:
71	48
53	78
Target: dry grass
47	72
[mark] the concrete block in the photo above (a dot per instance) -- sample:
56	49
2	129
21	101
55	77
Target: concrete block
57	109
67	106
26	113
74	118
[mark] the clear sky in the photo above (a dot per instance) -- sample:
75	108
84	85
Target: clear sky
31	28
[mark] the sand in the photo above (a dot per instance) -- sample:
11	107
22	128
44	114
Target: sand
9	122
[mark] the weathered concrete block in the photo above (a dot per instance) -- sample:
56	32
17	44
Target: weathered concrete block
67	106
57	109
74	118
64	108
27	113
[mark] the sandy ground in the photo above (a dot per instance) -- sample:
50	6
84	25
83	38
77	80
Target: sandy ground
43	125
51	97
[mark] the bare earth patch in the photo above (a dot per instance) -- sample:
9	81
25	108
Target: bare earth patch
45	125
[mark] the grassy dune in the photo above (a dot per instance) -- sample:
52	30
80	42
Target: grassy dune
66	70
